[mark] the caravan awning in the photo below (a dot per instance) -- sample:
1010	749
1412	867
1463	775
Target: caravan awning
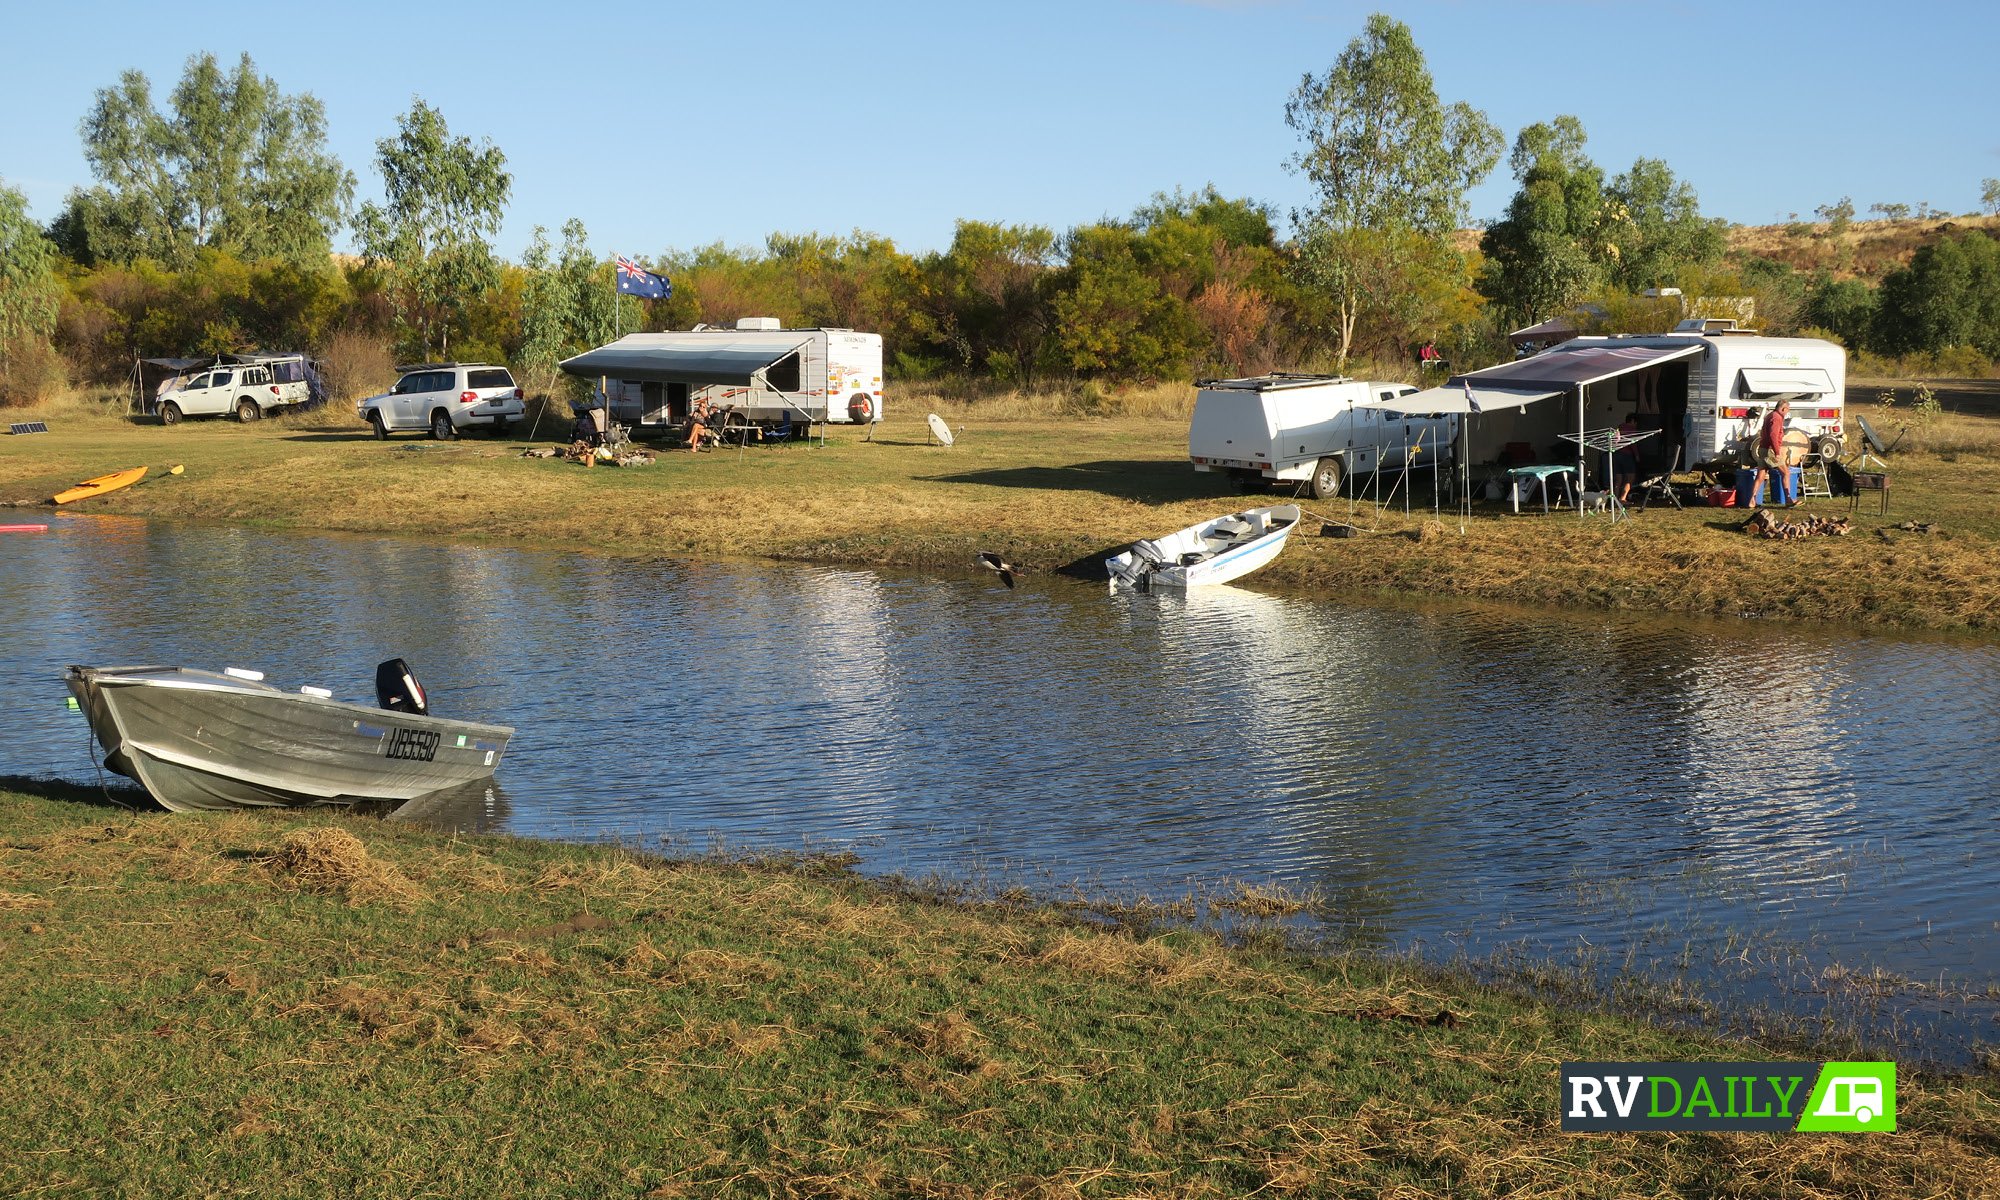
1437	401
1786	381
729	362
1569	366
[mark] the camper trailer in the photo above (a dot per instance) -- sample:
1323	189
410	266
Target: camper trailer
1306	429
770	376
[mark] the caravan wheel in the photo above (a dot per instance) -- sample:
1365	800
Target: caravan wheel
861	409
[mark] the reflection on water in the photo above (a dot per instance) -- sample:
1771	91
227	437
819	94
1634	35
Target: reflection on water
1454	777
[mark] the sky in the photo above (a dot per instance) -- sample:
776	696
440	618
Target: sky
674	125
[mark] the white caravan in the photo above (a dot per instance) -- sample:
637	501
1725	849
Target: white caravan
1734	377
777	378
1306	429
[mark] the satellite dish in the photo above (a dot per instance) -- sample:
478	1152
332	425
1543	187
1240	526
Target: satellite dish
940	430
1869	435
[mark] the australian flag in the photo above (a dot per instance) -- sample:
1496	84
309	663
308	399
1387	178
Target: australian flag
635	280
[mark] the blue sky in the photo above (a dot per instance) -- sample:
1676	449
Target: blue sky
676	125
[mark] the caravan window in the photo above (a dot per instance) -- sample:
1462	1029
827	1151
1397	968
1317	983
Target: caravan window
784	374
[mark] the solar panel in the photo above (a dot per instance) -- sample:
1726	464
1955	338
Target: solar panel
28	427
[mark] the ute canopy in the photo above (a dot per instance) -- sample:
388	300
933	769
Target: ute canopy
648	357
1786	381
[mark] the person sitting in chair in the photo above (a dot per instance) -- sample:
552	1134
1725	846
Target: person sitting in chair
699	419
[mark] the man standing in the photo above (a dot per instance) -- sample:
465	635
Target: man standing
1771	453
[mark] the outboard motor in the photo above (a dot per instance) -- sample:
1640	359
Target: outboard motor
397	689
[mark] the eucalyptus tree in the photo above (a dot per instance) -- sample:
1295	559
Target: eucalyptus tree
1658	228
30	294
566	303
443	198
1549	251
236	164
1389	164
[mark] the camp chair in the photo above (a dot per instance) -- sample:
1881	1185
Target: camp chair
1661	484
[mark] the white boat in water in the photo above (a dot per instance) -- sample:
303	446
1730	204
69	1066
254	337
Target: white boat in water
207	740
1214	551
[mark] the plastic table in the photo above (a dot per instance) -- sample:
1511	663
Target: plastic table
1540	474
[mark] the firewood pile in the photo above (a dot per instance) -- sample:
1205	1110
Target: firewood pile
1767	526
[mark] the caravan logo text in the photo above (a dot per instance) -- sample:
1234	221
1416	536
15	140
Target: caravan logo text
1858	1097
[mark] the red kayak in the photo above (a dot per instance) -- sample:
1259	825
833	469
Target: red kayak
23	528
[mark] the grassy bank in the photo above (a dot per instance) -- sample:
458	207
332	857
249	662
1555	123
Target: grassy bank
1050	487
316	1005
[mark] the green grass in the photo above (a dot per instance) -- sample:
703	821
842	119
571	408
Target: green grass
278	1005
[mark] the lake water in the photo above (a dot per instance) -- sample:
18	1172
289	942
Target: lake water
1761	814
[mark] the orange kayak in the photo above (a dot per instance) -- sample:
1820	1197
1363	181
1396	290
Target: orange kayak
101	485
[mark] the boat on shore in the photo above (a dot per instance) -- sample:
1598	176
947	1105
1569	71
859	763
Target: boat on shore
205	740
100	485
1209	552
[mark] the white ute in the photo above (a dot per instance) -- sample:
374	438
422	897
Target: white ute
1287	428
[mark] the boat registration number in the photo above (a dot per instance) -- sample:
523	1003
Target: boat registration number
419	744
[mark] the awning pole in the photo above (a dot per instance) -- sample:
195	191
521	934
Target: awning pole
1581	452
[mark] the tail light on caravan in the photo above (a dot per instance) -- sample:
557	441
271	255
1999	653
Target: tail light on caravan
1828	414
468	397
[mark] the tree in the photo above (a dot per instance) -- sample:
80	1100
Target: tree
1948	296
1547	253
1112	315
987	297
30	295
443	198
1837	216
1843	307
1891	212
565	304
1389	162
1658	229
1989	196
238	166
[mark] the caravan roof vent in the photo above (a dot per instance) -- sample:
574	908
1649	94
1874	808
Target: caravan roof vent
758	324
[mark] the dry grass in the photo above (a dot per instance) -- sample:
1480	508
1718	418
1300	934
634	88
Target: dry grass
335	861
1869	249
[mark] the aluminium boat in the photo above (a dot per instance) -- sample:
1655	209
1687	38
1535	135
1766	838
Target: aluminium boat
1208	552
205	740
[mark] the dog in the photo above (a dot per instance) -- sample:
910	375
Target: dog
1601	502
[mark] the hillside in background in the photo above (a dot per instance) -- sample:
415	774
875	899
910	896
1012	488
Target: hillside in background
1864	250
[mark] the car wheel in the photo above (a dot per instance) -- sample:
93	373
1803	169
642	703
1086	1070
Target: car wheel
375	422
441	427
1327	478
247	410
170	413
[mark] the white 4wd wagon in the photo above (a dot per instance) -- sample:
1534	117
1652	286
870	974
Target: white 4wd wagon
445	398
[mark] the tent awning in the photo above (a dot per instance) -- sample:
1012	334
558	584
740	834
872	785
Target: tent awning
1786	381
726	363
1570	365
1438	401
